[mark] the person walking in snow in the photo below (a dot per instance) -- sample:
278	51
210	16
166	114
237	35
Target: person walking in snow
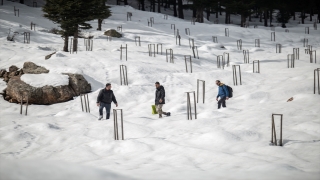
104	100
160	99
223	93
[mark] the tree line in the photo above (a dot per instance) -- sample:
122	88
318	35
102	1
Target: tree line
266	11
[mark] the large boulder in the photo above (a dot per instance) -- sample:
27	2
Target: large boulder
13	68
44	95
78	83
32	68
113	33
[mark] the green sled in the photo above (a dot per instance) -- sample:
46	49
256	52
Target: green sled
154	109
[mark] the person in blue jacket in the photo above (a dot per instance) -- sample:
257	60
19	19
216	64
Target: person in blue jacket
223	94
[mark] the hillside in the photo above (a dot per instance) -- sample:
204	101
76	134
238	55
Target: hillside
230	143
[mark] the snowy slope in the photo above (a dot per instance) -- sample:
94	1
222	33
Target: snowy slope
230	143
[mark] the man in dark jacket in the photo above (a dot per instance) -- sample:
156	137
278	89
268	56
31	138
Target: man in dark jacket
104	100
160	99
223	94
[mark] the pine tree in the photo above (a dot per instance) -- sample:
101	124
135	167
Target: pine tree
101	12
71	15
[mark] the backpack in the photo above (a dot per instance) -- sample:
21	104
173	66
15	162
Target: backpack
230	91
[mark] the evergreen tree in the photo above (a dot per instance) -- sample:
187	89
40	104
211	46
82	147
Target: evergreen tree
71	15
101	12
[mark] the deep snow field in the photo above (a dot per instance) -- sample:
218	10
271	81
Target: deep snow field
62	142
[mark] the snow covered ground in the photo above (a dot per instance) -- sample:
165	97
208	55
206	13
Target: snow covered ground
231	143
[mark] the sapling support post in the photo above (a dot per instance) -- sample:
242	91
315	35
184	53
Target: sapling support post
226	58
195	52
126	48
129	15
296	53
177	33
89	44
24	96
169	55
226	32
215	39
287	30
33	26
305	42
165	16
257	43
73	41
16	11
26	37
234	71
307	30
188	58
173	26
256	66
273	28
313	56
255	26
115	124
85	102
137	40
273	129
203	89
193	21
34	4
315	26
273	36
278	48
151	20
189	111
109	38
178	40
160	48
123	75
316	77
220	62
119	28
150	49
290	59
246	57
308	50
187	31
149	23
191	43
239	44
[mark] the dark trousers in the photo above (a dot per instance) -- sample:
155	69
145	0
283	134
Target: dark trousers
222	101
107	106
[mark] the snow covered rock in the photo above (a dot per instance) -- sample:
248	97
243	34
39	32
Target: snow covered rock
113	33
38	95
78	83
32	68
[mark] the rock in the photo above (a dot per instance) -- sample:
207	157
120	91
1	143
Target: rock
78	83
32	68
113	33
2	72
13	68
45	95
49	56
13	101
7	98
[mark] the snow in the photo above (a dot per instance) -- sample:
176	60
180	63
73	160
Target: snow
231	143
50	79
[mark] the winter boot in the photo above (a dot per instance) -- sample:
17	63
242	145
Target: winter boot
108	115
160	115
168	114
100	117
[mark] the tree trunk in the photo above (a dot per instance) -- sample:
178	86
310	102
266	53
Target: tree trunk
175	8
153	5
302	17
260	18
142	5
75	39
220	9
194	12
99	24
125	2
243	20
66	43
294	15
1	2
311	14
208	13
270	17
265	18
217	11
200	14
159	7
180	9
